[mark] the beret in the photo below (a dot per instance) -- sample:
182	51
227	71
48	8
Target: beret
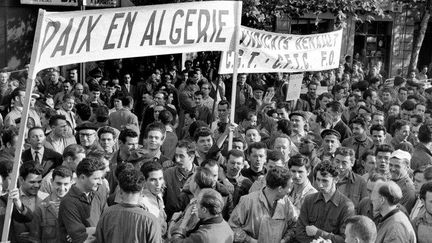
86	125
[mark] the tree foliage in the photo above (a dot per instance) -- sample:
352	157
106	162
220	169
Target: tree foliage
263	13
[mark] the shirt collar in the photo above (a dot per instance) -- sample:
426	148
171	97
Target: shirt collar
181	176
335	199
40	152
215	220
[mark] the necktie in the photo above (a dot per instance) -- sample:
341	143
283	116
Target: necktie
37	159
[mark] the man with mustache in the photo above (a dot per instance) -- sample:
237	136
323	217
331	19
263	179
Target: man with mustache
235	163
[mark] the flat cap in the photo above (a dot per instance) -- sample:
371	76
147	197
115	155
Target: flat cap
328	132
86	125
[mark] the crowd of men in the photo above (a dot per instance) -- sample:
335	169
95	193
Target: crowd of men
140	154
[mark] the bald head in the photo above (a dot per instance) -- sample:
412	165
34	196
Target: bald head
360	229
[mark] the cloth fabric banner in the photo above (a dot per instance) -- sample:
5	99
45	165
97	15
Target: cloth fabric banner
90	3
294	87
81	36
264	52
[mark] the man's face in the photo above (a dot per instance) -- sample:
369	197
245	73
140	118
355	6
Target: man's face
60	129
93	182
370	163
325	184
282	113
61	185
405	114
299	174
19	100
377	200
67	87
127	78
350	238
155	139
4	78
95	95
223	112
298	123
428	202
378	120
198	100
234	165
344	164
37	138
79	89
419	180
415	129
331	143
394	110
183	159
403	133
205	88
31	184
324	101
53	77
258	94
383	161
386	97
242	79
238	146
258	158
159	99
283	145
106	141
420	110
204	144
72	162
352	102
118	104
312	90
358	130
214	170
69	104
378	137
252	136
398	168
73	75
87	137
306	146
157	109
155	182
403	95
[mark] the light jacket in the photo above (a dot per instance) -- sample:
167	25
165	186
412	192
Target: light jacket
395	227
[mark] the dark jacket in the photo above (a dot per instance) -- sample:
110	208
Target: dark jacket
50	159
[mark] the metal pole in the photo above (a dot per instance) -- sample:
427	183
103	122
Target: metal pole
82	67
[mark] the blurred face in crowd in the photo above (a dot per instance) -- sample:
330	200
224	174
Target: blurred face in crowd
398	168
257	158
394	110
95	95
258	94
312	90
331	143
53	77
73	75
358	130
183	159
299	174
377	199
61	185
155	139
92	182
147	99
378	120
298	123
157	109
370	163
283	145
238	145
324	101
87	137
419	180
19	100
420	110
67	87
204	144
383	161
415	129
405	114
60	128
72	162
214	170
69	104
107	141
198	100
252	136
188	120
79	89
160	98
306	146
31	184
378	137
326	184
234	166
428	202
386	97
155	182
37	138
4	77
205	88
403	133
352	102
242	79
402	95
223	112
127	78
344	164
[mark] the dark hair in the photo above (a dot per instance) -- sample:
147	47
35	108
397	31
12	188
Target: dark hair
16	92
362	228
199	92
408	105
83	111
122	167
391	192
165	117
278	177
335	106
155	126
378	128
190	147
131	181
72	150
345	151
359	121
398	124
385	148
203	178
30	167
101	113
275	155
366	154
98	154
427	187
196	125
9	134
257	145
235	153
202	132
428	173
88	166
283	105
326	168
53	120
149	167
212	201
6	167
35	128
368	93
285	126
127	133
299	160
106	129
209	162
337	88
62	171
325	95
425	134
224	102
68	96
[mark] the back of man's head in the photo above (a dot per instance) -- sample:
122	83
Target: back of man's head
361	228
390	191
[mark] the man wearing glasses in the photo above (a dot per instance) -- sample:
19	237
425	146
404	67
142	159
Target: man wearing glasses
87	137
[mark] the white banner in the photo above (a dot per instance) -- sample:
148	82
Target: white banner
264	52
52	2
294	86
81	36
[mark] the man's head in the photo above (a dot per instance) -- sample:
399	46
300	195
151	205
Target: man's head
5	172
299	167
372	181
308	144
242	77
130	181
401	130
378	118
298	121
378	133
30	178
384	196
203	178
326	177
68	102
87	134
383	154
59	125
283	144
426	196
90	174
184	155
155	135
223	110
36	136
360	229
72	155
282	109
239	143
203	139
128	141
368	160
213	166
344	160
252	135
312	88
257	156
278	179
358	127
418	179
394	110
210	203
153	175
107	138
198	96
399	164
235	162
10	138
425	135
331	140
61	180
18	96
335	110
